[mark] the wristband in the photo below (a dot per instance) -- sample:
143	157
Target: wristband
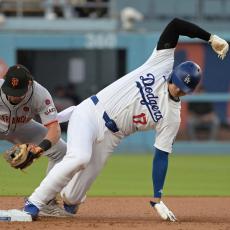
45	144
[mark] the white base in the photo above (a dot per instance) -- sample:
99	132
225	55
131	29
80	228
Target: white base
14	215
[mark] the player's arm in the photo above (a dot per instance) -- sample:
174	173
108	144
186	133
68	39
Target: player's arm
54	132
51	138
170	35
23	155
165	137
177	27
48	114
159	171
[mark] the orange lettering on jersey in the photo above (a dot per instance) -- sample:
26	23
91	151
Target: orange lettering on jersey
4	118
14	120
21	119
17	120
141	119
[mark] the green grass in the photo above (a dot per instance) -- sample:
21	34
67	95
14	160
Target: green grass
130	175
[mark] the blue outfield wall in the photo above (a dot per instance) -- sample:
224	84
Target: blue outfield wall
142	142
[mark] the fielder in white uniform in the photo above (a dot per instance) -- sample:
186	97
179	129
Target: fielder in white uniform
146	98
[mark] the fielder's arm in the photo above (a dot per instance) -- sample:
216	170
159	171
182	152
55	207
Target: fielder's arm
22	156
52	137
54	132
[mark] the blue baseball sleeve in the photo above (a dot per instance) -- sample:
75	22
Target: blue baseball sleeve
159	170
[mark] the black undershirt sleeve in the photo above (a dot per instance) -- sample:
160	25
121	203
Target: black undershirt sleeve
177	27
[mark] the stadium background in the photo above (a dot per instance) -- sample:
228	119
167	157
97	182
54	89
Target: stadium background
91	50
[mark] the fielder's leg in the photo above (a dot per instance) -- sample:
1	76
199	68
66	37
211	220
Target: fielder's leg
34	132
75	191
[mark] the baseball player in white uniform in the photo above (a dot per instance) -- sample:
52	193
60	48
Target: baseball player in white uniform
146	98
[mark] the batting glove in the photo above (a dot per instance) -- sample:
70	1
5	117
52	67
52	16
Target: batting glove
163	211
219	45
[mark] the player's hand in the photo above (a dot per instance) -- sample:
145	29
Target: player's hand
35	149
219	45
20	156
163	211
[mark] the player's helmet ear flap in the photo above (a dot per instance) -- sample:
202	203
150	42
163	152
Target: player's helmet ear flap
186	76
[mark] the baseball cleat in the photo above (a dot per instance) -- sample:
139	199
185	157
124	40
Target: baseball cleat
71	208
52	209
31	209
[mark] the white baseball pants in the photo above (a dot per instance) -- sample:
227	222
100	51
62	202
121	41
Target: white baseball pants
89	143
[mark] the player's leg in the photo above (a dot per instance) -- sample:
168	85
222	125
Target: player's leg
75	191
34	132
82	133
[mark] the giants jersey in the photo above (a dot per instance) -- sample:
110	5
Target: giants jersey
37	101
140	100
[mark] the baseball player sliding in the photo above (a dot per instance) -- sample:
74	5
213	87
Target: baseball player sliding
21	100
146	98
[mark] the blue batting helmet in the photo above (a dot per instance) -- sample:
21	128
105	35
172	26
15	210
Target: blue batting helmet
186	76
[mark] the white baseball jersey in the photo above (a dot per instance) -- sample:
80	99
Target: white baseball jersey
140	100
37	101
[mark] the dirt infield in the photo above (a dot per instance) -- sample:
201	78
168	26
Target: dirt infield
105	213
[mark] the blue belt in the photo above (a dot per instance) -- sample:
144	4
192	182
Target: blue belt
109	123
